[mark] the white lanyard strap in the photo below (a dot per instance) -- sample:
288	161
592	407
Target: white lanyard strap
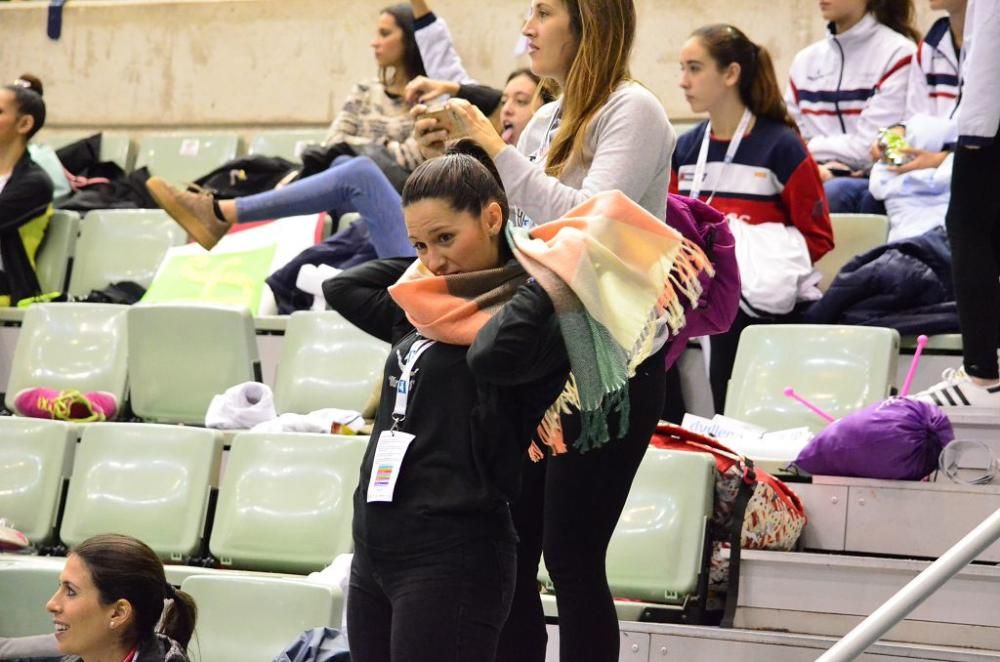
403	384
734	144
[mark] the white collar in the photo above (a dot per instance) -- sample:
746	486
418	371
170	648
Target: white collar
860	30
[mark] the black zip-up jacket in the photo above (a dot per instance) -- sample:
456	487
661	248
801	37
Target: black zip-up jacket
26	196
473	411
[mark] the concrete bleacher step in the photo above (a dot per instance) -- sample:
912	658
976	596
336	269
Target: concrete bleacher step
827	595
913	519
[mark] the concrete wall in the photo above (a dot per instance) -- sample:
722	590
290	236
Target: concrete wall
145	64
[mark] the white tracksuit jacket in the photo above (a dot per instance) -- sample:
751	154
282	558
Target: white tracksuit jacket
843	89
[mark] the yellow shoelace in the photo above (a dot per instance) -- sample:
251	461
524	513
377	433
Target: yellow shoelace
61	407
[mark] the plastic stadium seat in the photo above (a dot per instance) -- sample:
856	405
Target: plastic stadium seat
285	503
122	244
286	144
838	368
252	619
115	147
185	158
25	587
853	234
180	356
148	481
58	247
326	362
118	148
79	346
35	456
656	551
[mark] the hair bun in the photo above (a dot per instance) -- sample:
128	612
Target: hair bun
30	82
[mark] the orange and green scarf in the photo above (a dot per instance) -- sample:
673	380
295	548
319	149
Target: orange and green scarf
618	278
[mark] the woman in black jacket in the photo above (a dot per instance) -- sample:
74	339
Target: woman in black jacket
25	191
434	564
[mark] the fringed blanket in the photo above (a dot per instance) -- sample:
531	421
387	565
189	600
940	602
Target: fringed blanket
619	279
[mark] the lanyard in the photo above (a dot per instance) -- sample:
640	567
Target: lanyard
734	144
131	656
403	384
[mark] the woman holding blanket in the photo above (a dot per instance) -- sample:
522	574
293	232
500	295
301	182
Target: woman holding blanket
607	132
483	334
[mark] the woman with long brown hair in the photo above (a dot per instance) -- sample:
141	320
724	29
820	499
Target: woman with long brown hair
843	89
749	162
606	132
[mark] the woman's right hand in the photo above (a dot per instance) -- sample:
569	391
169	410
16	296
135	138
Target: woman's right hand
422	89
429	139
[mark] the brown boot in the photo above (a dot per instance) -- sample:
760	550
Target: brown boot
194	212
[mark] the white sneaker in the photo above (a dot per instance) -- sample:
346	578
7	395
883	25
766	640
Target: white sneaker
958	390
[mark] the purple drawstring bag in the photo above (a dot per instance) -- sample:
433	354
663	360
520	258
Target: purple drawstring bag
898	439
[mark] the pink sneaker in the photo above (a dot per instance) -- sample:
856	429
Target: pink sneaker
69	405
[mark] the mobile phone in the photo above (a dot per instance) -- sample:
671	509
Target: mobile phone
447	120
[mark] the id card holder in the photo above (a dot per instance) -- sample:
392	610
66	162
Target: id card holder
386	465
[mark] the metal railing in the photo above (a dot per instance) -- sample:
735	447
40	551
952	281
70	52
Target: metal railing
919	589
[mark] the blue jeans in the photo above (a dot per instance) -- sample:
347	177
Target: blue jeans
850	195
446	606
350	184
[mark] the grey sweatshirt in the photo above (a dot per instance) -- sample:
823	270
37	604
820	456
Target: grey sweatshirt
628	148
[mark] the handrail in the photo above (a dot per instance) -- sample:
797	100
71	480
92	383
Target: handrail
919	589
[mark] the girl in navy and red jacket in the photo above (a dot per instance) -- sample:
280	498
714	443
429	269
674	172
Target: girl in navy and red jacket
768	175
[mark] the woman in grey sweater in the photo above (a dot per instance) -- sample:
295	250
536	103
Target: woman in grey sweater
607	132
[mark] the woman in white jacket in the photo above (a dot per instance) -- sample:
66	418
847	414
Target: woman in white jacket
843	89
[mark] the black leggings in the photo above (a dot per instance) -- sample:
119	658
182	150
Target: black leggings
446	606
973	223
570	505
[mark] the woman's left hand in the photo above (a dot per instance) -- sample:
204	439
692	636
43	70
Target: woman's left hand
921	159
478	127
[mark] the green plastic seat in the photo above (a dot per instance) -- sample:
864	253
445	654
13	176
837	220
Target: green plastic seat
148	481
122	244
182	355
838	368
57	248
115	147
286	144
253	619
25	587
185	158
853	234
285	503
326	362
35	456
656	551
79	346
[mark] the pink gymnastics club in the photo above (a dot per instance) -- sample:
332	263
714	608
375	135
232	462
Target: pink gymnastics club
921	343
790	392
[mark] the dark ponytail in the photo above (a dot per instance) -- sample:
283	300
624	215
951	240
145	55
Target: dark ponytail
758	86
124	568
896	14
179	616
27	90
